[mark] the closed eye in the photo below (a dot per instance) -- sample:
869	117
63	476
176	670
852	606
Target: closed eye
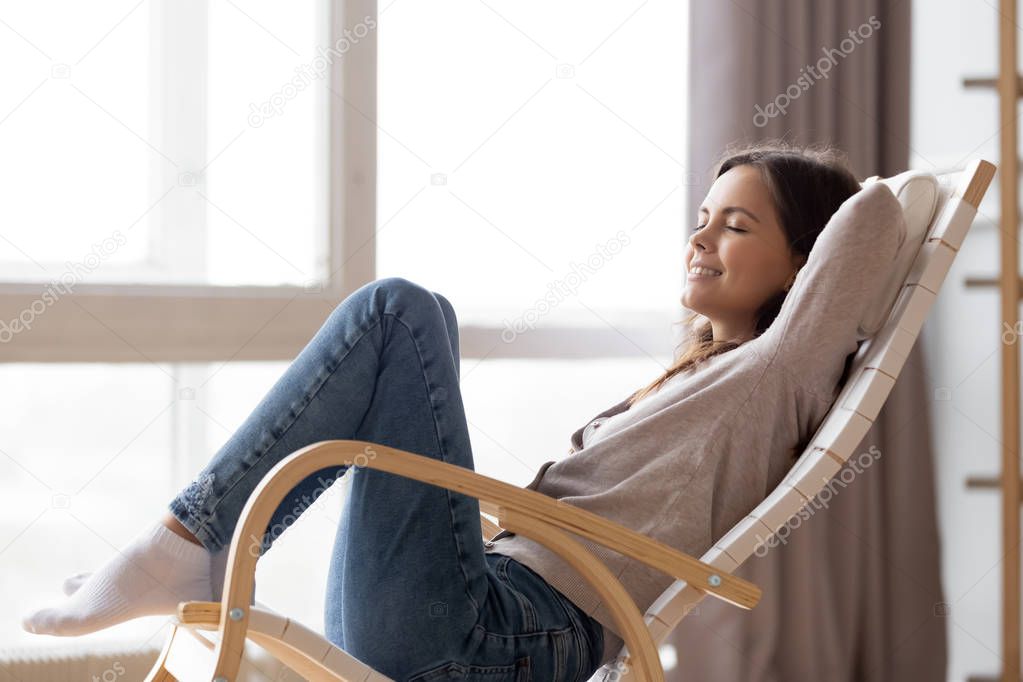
729	227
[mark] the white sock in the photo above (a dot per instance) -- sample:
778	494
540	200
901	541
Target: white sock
73	582
218	570
155	572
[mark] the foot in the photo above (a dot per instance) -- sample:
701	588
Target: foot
218	569
151	576
73	582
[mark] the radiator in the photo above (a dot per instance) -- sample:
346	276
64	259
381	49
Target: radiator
73	663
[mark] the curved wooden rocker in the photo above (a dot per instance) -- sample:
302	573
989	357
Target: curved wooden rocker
938	216
189	655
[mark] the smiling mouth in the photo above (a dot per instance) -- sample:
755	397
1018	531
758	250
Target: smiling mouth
702	273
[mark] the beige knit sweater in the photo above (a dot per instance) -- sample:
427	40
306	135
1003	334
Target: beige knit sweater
686	463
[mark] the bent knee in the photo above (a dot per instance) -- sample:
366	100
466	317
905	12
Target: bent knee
449	310
393	293
407	290
401	285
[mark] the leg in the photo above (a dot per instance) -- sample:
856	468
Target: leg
410	590
325	394
335	603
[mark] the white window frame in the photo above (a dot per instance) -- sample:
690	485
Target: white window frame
192	323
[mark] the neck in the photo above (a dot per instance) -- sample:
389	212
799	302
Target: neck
725	331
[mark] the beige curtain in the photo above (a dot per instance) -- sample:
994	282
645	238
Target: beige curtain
855	592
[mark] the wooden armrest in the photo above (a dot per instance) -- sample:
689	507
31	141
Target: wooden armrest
514	508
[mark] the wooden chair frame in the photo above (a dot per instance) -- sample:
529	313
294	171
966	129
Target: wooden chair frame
189	654
519	510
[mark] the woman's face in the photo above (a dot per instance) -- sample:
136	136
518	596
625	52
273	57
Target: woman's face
739	236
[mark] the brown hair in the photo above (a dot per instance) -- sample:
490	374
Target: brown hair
807	185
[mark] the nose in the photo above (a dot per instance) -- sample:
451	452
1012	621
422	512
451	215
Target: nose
698	239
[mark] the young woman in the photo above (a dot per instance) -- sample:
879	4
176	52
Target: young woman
412	590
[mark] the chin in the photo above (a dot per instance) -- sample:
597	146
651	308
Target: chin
689	304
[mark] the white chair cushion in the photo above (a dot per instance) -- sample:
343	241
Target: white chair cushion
918	192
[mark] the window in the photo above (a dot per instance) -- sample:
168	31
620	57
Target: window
151	140
169	162
532	163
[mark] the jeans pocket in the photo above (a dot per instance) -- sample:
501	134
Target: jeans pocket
519	671
584	635
588	630
530	619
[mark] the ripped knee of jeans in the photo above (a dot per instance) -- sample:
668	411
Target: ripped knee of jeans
194	495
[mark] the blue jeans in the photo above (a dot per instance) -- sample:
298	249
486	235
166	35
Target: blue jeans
410	591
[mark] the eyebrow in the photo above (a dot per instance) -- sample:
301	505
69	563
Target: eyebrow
732	209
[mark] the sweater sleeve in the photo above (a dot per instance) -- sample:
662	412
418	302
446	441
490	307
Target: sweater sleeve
816	328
